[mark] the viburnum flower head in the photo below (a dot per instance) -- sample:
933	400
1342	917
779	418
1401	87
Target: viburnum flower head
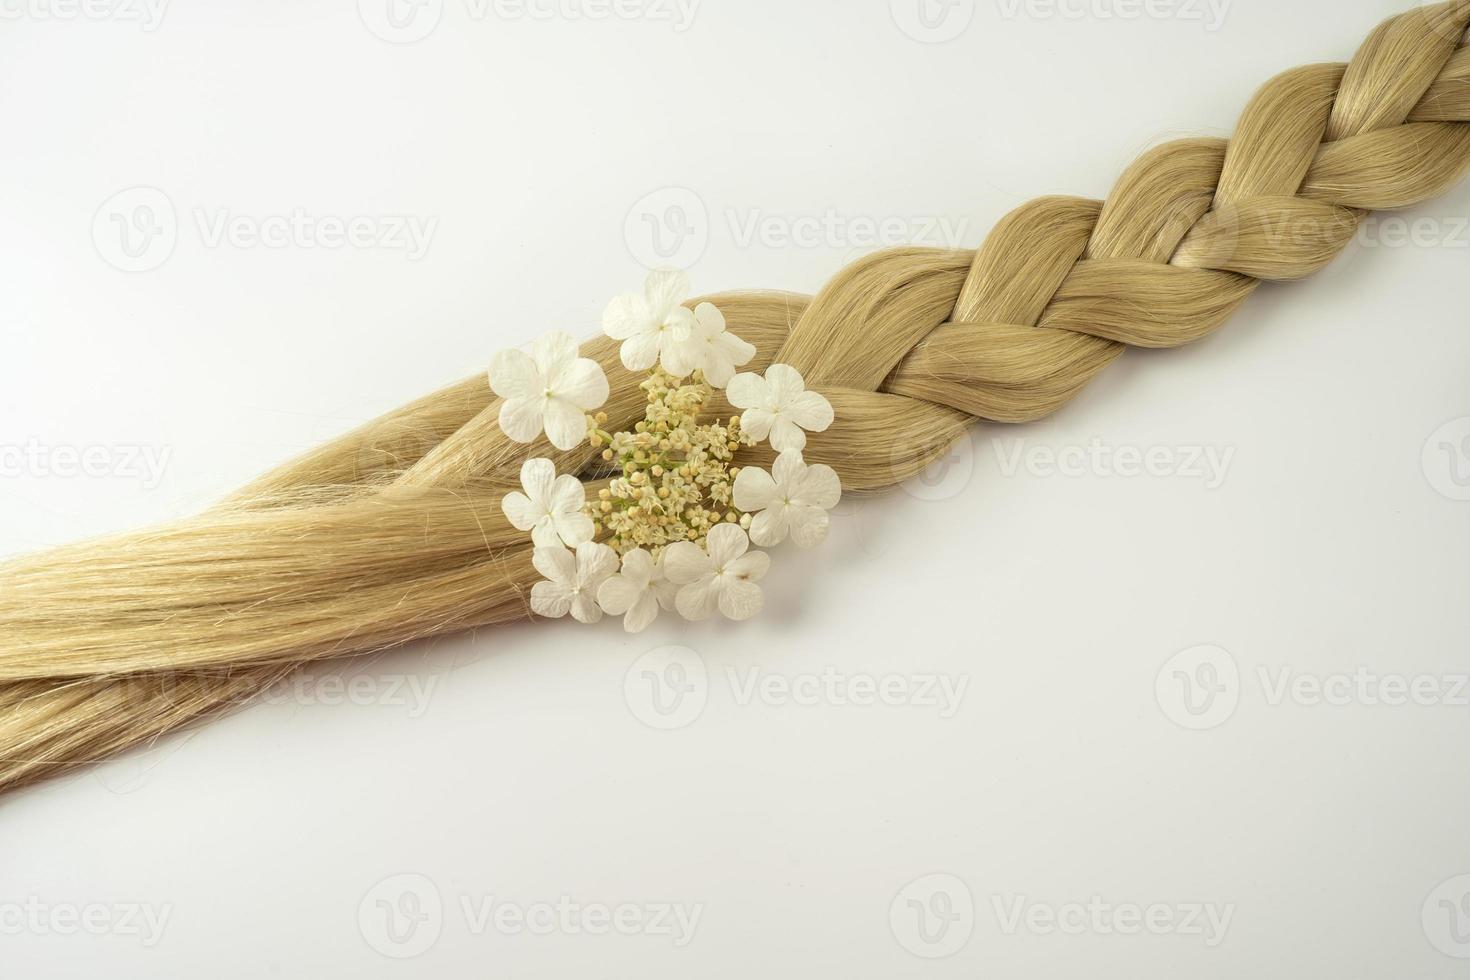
778	406
550	389
791	499
551	508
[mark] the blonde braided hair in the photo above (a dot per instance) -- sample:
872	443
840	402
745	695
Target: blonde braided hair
394	532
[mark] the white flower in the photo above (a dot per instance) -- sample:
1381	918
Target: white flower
779	405
724	578
649	325
793	498
638	591
550	388
710	348
551	507
571	581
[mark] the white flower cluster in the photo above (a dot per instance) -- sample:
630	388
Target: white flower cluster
671	548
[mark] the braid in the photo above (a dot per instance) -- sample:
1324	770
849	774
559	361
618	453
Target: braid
394	532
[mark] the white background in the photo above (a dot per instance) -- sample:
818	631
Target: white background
1331	834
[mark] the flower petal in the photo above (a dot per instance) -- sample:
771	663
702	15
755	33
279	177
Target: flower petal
514	374
769	527
582	382
642	615
565	494
553	351
520	511
718	369
785	381
550	599
640	351
738	351
617	595
626	316
711	320
571	529
679	324
747	391
684	562
638	567
726	543
681	358
585	608
566	424
556	564
753	566
664	290
754	489
740	599
809	410
808	525
819	486
787	471
521	419
595	562
696	600
754	422
786	436
545	534
537	477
